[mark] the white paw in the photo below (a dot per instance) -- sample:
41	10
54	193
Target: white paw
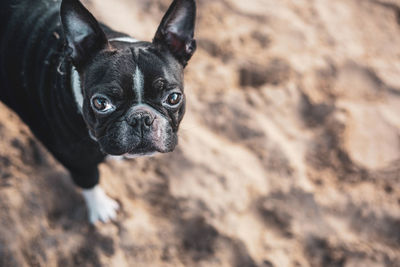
100	206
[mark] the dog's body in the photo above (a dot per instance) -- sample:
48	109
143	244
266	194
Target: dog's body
87	91
35	83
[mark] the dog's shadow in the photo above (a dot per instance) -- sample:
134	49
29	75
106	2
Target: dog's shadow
42	207
63	203
67	215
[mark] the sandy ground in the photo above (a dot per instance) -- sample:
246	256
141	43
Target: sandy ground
289	153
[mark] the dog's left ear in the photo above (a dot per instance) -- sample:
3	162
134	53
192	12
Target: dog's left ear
176	30
82	32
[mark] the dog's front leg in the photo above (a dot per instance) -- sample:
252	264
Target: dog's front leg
100	206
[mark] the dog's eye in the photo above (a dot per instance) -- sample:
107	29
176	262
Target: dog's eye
174	99
101	104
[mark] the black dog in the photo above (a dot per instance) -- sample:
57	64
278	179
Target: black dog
87	91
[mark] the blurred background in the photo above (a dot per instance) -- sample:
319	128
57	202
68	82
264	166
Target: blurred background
289	152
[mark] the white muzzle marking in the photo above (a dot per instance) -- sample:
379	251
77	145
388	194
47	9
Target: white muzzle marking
138	84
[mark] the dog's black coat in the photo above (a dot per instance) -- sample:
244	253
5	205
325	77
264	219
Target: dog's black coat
37	53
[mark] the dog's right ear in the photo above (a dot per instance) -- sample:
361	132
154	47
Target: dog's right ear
82	32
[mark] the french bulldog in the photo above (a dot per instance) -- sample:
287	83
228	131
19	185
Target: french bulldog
87	91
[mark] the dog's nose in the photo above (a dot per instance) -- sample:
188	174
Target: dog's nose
141	120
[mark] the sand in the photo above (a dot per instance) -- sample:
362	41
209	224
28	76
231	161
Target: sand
289	153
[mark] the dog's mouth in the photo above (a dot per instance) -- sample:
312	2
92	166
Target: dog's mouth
135	153
144	148
122	140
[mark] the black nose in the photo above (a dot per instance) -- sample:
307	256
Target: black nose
141	120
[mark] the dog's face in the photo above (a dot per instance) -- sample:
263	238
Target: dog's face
134	99
133	91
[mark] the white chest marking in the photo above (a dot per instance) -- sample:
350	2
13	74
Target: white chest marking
76	88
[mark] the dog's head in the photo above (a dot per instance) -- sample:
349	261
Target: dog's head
133	96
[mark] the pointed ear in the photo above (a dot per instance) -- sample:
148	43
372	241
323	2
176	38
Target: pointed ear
177	29
82	32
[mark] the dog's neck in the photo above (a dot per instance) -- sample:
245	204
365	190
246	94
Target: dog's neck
76	81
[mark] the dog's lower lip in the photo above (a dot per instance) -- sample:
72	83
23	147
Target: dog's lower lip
136	151
141	151
129	155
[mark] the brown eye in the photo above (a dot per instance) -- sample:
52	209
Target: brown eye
174	99
101	104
